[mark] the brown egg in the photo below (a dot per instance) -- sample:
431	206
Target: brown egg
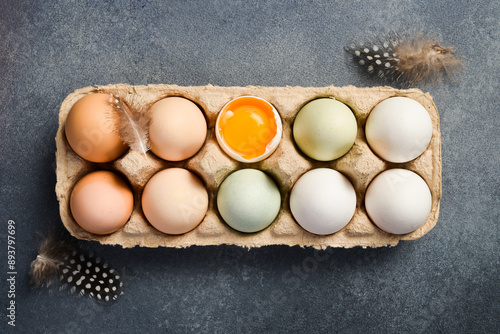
101	202
177	129
175	201
91	129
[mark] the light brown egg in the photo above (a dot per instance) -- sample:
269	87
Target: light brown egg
177	129
101	202
174	201
91	129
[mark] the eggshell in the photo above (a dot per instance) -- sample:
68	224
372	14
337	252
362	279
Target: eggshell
248	200
174	201
398	129
259	131
101	202
323	201
177	129
398	201
325	129
91	130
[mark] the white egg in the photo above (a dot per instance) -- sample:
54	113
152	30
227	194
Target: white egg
323	201
398	201
398	129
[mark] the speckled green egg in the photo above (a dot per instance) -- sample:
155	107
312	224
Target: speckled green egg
248	200
325	129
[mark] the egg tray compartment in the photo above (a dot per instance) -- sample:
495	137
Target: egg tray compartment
360	165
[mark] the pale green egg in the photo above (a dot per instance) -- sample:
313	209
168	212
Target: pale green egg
325	129
248	200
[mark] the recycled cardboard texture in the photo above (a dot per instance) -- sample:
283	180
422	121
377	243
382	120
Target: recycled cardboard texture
360	165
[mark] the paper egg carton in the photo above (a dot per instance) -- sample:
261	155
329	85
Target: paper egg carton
360	165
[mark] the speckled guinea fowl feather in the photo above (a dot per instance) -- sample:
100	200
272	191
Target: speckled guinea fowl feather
406	59
86	275
61	261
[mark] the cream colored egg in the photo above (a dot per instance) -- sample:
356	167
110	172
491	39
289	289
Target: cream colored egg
177	129
101	202
174	201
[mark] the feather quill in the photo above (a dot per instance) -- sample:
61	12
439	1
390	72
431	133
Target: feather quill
59	261
406	59
132	124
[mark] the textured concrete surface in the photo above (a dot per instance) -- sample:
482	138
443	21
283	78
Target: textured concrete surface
445	282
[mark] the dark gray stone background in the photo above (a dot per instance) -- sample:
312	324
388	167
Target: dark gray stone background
445	282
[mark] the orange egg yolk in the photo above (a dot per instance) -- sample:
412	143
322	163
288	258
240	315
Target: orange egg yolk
248	125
